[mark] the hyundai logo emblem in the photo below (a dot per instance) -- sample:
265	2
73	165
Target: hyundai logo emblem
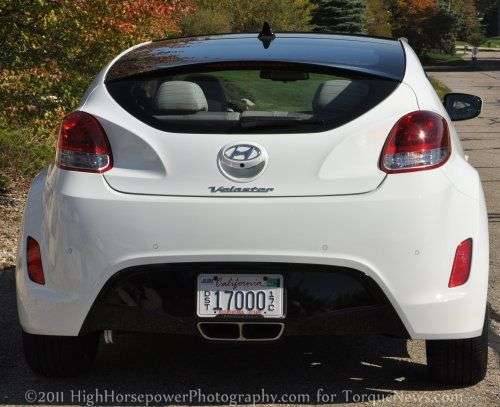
242	162
242	152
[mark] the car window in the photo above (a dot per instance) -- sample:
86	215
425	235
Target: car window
247	90
266	98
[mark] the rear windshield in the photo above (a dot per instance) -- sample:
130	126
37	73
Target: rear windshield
249	99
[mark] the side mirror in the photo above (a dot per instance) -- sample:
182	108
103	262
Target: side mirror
461	106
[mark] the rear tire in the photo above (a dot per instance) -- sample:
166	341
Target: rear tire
459	362
60	356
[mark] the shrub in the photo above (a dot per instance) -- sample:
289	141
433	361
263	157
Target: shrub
466	15
377	18
206	21
476	38
247	16
283	15
428	27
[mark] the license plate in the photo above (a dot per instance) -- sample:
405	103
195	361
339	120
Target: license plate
240	294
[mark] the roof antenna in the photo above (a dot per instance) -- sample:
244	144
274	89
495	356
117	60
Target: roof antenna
266	35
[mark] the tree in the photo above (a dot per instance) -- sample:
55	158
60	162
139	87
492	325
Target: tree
467	17
52	48
206	20
377	18
342	16
428	26
247	16
283	15
489	12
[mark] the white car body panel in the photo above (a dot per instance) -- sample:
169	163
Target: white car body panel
148	161
399	229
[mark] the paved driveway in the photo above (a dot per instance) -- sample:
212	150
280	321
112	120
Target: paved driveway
340	370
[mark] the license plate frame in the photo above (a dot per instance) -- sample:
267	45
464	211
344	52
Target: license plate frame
271	284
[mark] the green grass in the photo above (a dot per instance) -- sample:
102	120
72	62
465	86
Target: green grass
271	95
294	96
490	42
493	42
23	153
434	58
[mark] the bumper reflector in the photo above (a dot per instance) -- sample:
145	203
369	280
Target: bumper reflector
34	257
461	265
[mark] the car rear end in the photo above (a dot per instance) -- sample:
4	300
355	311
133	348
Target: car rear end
316	186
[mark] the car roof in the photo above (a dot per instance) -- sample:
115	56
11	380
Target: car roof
365	55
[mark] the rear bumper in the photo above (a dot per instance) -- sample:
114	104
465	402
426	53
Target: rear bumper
402	236
317	300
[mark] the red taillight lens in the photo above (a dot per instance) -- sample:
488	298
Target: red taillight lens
461	265
83	144
419	141
34	259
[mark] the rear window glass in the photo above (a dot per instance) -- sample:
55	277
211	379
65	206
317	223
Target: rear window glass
244	99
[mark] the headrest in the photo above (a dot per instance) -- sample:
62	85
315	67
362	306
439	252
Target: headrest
212	88
339	95
180	97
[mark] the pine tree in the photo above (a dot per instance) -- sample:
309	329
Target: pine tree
342	16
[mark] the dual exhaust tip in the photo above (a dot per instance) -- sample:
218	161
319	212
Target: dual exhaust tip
241	331
229	331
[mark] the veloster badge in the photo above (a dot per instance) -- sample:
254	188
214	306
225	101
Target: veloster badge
240	189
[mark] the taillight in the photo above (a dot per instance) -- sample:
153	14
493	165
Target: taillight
34	260
461	264
83	144
418	141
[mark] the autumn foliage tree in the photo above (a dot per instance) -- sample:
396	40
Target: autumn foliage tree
428	26
467	17
51	48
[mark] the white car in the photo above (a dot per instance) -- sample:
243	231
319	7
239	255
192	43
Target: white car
250	187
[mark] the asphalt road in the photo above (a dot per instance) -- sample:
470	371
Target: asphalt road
359	370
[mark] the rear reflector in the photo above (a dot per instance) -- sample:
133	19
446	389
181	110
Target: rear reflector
461	265
83	144
34	260
418	141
